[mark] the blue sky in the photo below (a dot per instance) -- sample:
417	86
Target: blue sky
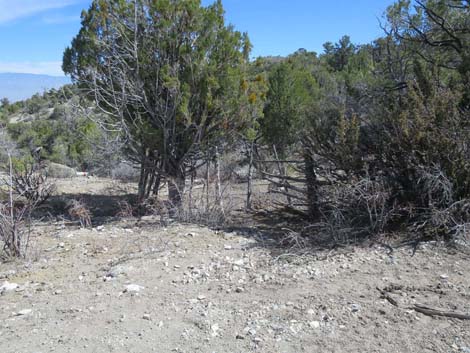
34	33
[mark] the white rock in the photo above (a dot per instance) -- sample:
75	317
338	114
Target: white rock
227	247
133	288
8	287
215	330
24	312
314	324
239	262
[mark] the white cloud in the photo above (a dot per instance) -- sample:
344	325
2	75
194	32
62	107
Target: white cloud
52	68
13	10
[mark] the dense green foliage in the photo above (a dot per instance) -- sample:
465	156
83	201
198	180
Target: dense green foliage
386	124
48	127
394	112
167	73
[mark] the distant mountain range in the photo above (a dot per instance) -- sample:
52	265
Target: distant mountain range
17	87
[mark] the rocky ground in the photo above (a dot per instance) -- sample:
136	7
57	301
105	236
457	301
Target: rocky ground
134	286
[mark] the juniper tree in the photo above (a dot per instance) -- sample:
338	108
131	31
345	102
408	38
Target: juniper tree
165	73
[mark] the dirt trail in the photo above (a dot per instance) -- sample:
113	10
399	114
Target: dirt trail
142	288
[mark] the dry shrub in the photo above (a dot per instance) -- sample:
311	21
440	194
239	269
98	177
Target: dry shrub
15	227
29	180
126	210
26	188
366	208
198	206
196	209
155	207
446	223
351	212
77	210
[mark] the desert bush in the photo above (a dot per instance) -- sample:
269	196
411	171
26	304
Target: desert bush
26	189
15	222
78	210
29	180
126	210
426	131
354	211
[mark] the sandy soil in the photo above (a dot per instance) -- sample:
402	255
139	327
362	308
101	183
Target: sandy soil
140	287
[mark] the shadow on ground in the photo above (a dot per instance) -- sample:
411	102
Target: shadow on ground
103	208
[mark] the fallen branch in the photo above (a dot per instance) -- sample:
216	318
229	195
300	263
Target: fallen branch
435	312
385	295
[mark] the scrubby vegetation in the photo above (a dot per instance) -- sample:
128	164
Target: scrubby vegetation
358	141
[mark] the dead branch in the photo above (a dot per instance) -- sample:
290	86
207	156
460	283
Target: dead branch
435	312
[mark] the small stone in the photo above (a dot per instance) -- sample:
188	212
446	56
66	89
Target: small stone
201	297
239	290
239	262
24	312
146	317
355	308
100	228
239	337
444	277
57	292
215	330
61	245
133	288
227	247
314	324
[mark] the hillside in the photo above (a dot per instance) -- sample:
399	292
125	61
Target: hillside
15	86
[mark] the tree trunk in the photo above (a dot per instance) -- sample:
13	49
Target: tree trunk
207	184
142	182
312	185
282	173
176	185
156	185
218	186
249	189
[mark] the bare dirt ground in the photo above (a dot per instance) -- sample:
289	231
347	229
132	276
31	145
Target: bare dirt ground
138	286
